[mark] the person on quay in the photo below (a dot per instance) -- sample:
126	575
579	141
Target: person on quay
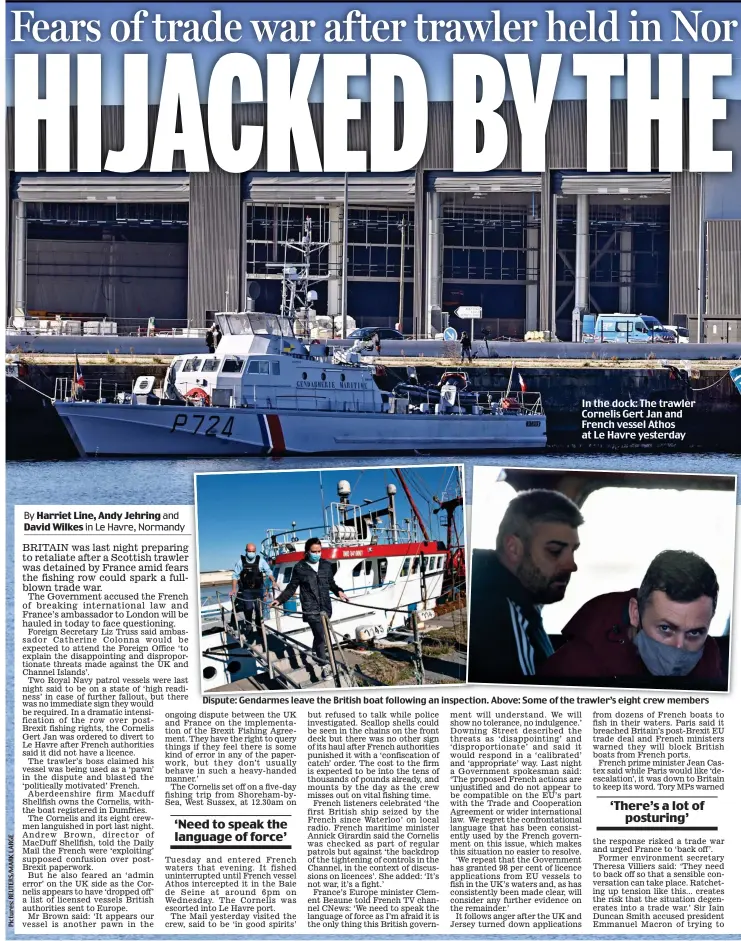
466	348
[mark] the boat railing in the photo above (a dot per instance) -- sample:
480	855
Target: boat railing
68	389
336	533
290	540
530	403
348	522
334	641
231	627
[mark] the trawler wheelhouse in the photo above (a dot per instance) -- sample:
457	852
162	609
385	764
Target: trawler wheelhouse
372	553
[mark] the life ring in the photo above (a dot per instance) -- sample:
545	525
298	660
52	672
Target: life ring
198	393
458	379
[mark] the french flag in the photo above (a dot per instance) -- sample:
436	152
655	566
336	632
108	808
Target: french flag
523	385
79	382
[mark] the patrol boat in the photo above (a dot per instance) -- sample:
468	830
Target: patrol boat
387	567
266	392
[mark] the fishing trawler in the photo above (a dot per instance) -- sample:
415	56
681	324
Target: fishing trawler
386	566
266	390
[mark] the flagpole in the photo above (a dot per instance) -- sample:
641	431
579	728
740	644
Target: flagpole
509	383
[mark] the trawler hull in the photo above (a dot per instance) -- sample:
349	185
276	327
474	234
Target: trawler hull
101	429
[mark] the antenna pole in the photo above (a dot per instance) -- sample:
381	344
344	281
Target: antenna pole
412	504
344	259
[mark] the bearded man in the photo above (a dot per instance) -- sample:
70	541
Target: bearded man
531	566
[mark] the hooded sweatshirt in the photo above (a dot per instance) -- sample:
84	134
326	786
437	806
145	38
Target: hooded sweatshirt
598	645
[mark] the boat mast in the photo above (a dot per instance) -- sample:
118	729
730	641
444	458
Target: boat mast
412	504
509	381
344	259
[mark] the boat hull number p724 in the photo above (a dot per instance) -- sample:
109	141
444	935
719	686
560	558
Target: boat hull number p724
204	424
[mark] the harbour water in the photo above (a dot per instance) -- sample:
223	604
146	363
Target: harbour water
171	481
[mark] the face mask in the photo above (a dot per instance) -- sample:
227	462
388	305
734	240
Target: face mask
663	659
251	556
314	556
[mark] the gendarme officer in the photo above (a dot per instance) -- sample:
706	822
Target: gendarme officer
248	583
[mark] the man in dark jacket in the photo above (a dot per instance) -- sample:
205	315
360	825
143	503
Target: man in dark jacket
531	566
656	635
465	347
314	578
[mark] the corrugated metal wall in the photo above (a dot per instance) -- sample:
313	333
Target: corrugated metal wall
213	243
214	234
724	268
684	227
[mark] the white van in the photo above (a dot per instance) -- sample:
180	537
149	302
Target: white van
625	328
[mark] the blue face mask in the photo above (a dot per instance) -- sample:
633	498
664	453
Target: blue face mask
251	556
314	556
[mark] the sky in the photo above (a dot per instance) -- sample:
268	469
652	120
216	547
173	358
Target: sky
234	509
434	57
624	528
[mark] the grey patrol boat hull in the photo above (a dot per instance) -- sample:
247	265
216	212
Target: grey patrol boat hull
101	429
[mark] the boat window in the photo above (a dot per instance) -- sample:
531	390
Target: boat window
368	566
192	365
415	565
405	568
259	366
275	368
335	568
287	574
210	365
356	571
423	564
383	565
233	364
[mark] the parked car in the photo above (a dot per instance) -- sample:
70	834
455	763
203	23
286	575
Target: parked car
681	333
367	333
625	328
